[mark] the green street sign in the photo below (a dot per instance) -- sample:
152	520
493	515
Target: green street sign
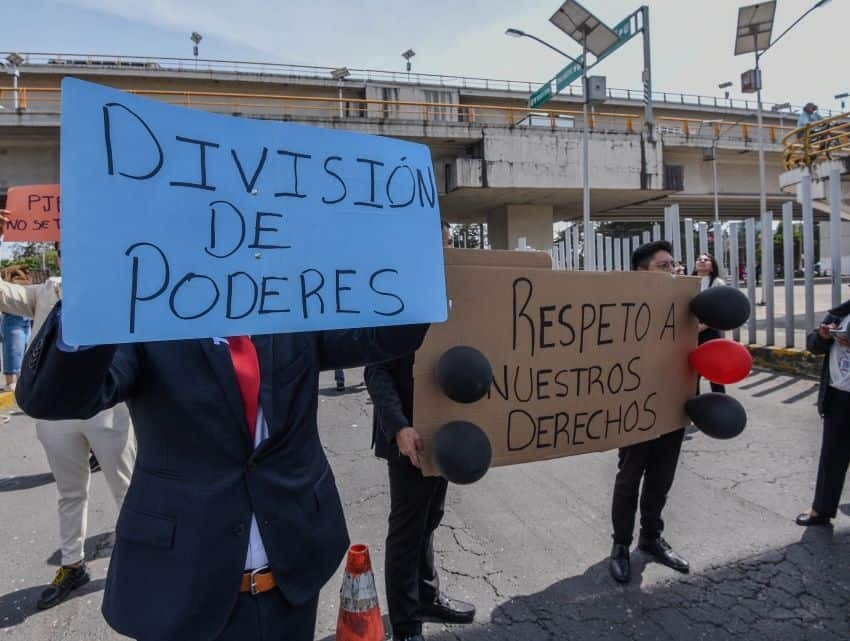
624	29
563	79
625	32
568	74
540	96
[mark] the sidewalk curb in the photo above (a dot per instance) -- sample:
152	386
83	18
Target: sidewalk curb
786	360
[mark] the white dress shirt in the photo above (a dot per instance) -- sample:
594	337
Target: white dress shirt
256	555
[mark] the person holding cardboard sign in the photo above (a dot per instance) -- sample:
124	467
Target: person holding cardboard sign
233	521
652	461
67	444
416	504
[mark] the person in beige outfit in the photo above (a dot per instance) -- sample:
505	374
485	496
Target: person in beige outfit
67	443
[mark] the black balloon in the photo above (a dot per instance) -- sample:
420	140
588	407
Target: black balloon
722	308
717	415
464	374
462	452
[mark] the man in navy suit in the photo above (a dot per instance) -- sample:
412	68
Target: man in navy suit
232	522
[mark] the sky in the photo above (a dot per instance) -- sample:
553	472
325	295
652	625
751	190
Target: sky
692	40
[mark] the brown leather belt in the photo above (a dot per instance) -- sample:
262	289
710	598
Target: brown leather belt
258	581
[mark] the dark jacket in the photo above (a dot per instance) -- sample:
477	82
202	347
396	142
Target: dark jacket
182	534
390	386
816	345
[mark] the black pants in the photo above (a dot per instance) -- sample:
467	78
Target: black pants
416	509
707	335
654	461
834	453
269	617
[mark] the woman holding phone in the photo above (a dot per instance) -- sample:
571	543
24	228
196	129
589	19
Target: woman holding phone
708	270
832	340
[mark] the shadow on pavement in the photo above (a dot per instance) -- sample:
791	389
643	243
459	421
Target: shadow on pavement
98	546
794	593
349	389
27	482
16	607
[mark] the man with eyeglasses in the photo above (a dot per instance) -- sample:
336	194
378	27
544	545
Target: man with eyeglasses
653	461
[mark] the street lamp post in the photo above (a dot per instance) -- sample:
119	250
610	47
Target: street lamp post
589	245
340	74
407	55
196	38
14	61
755	25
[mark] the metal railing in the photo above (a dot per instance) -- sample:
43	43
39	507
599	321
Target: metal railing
821	140
47	101
149	64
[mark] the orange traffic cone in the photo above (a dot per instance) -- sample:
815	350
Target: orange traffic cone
359	613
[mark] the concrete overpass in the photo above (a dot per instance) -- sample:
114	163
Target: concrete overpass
496	161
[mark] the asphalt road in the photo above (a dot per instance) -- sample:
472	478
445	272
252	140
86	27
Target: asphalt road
528	544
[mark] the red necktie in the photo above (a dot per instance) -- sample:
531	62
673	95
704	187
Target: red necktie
247	367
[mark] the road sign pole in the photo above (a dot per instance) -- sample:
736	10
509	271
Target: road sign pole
649	119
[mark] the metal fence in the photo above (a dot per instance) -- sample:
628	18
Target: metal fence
46	101
746	253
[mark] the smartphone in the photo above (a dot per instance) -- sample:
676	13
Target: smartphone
839	333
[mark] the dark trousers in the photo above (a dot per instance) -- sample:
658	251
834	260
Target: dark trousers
654	461
707	335
416	509
339	377
268	617
834	453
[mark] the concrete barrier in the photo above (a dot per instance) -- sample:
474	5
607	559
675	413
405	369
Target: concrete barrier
786	360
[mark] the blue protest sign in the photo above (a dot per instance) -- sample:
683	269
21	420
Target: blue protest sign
183	224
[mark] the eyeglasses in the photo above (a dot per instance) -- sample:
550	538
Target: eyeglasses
666	264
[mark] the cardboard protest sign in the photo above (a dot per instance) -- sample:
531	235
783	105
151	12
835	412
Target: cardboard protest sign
209	225
582	361
35	213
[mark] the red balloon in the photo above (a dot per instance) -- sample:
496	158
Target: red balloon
721	361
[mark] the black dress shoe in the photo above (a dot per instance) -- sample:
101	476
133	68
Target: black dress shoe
620	565
446	610
805	519
661	551
66	580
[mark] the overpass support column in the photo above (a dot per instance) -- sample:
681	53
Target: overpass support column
506	225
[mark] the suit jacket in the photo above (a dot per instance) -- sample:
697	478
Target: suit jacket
390	386
182	534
